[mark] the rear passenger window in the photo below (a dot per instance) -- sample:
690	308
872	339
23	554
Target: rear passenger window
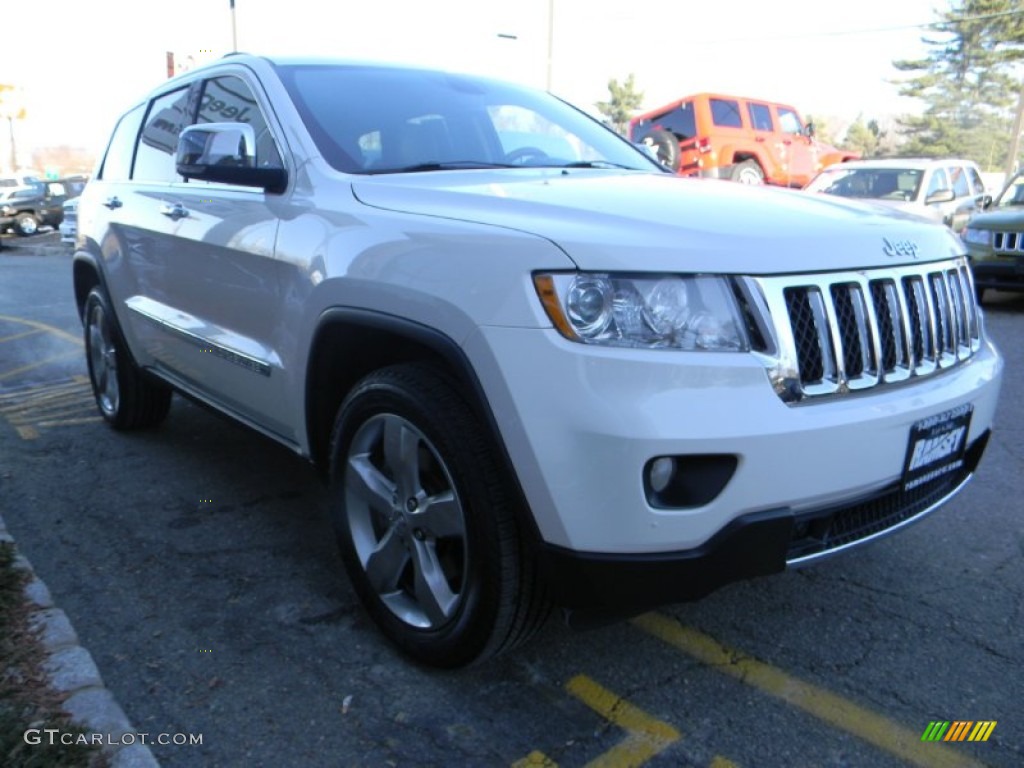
117	163
726	113
154	158
229	100
760	117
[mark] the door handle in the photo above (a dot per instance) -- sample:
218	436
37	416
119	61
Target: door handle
113	202
174	211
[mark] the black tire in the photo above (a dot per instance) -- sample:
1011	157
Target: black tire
126	397
747	172
26	224
665	146
426	521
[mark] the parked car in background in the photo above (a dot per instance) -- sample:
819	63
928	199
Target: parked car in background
41	203
69	224
949	190
995	241
18	180
752	141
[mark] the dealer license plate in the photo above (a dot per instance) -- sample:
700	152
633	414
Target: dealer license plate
936	446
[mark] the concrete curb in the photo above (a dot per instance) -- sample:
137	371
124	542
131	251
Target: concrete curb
72	672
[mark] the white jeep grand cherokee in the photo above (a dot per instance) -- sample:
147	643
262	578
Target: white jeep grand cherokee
537	369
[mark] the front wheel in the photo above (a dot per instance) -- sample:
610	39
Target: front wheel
426	523
748	172
26	224
127	399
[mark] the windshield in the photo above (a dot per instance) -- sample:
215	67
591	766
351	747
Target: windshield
1013	195
873	183
379	119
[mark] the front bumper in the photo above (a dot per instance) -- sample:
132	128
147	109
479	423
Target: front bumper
595	587
580	425
997	272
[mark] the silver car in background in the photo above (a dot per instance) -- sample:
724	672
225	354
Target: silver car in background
949	190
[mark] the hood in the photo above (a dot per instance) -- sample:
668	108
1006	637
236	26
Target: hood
928	213
611	220
1003	219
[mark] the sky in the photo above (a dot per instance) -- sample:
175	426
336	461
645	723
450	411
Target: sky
92	59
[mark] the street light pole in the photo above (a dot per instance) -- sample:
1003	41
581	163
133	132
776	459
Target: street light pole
14	152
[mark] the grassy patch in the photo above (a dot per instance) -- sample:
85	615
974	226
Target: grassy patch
26	700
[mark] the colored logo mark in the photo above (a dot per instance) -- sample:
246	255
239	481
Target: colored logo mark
959	730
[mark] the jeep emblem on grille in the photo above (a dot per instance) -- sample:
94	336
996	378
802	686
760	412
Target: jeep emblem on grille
898	249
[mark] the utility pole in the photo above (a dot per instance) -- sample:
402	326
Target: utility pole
14	154
10	107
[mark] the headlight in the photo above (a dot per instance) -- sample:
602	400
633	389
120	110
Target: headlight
648	311
977	236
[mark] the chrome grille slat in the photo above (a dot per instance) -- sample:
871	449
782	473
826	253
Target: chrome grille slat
1008	242
836	333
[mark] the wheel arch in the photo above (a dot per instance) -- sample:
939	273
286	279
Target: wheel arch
86	275
351	343
742	155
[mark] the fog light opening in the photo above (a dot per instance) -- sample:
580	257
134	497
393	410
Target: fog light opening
660	473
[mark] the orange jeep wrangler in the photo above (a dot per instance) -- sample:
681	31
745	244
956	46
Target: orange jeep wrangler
728	137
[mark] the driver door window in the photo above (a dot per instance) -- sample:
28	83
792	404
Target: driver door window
937	183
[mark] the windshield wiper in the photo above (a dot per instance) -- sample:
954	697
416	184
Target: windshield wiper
598	164
448	165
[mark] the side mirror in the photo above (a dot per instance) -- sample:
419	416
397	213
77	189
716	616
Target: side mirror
225	152
984	201
939	196
809	129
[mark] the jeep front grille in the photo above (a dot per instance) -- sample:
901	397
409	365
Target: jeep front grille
1008	242
844	332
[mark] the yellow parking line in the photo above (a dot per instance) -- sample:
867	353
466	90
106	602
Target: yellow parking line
43	327
647	736
49	402
69	422
40	391
535	760
22	335
27	433
37	363
822	704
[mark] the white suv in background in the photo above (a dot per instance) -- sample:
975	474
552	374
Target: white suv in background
948	190
538	369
